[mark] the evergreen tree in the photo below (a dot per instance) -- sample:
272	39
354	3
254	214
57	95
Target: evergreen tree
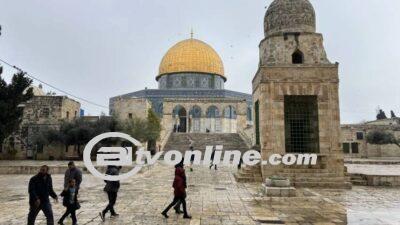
12	95
378	137
153	126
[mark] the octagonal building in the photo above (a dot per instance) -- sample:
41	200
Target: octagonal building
296	97
190	97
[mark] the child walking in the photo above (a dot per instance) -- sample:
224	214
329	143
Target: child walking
70	201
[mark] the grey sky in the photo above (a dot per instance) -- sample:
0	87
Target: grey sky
97	49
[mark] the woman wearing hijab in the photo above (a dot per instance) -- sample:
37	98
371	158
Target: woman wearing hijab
179	186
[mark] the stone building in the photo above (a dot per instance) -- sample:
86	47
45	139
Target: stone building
354	141
190	97
295	95
41	112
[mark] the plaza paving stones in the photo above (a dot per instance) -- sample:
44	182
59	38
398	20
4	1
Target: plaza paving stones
214	198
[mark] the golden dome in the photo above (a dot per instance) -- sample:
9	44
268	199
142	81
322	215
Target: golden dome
191	55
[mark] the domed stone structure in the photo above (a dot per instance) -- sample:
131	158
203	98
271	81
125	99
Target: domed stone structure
290	35
191	64
189	56
289	16
191	97
296	96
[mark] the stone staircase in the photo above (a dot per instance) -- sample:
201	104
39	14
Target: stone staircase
249	174
358	179
315	178
180	141
310	178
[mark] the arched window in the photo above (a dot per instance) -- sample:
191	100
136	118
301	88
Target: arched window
230	112
298	57
195	112
212	112
158	107
180	115
179	111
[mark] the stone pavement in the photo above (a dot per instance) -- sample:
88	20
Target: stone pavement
368	205
374	169
214	198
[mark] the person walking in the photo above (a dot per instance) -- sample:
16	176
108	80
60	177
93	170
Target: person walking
112	188
73	173
212	160
179	193
177	207
70	201
191	147
40	188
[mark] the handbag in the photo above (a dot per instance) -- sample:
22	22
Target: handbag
77	205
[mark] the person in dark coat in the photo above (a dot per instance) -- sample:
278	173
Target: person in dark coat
177	207
73	173
40	188
70	201
191	148
212	160
179	186
112	188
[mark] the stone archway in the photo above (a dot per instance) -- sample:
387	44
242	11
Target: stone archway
230	122
195	119
180	117
213	120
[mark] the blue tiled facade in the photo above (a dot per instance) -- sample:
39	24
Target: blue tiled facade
186	85
191	81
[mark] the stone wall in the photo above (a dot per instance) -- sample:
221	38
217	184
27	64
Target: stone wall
276	82
379	180
70	109
278	50
365	150
41	113
127	108
50	109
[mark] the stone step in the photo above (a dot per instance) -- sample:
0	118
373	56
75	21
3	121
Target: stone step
358	179
325	185
312	171
246	179
318	179
307	174
249	174
246	169
180	141
360	182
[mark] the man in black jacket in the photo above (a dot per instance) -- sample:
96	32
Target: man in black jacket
112	188
73	173
40	188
